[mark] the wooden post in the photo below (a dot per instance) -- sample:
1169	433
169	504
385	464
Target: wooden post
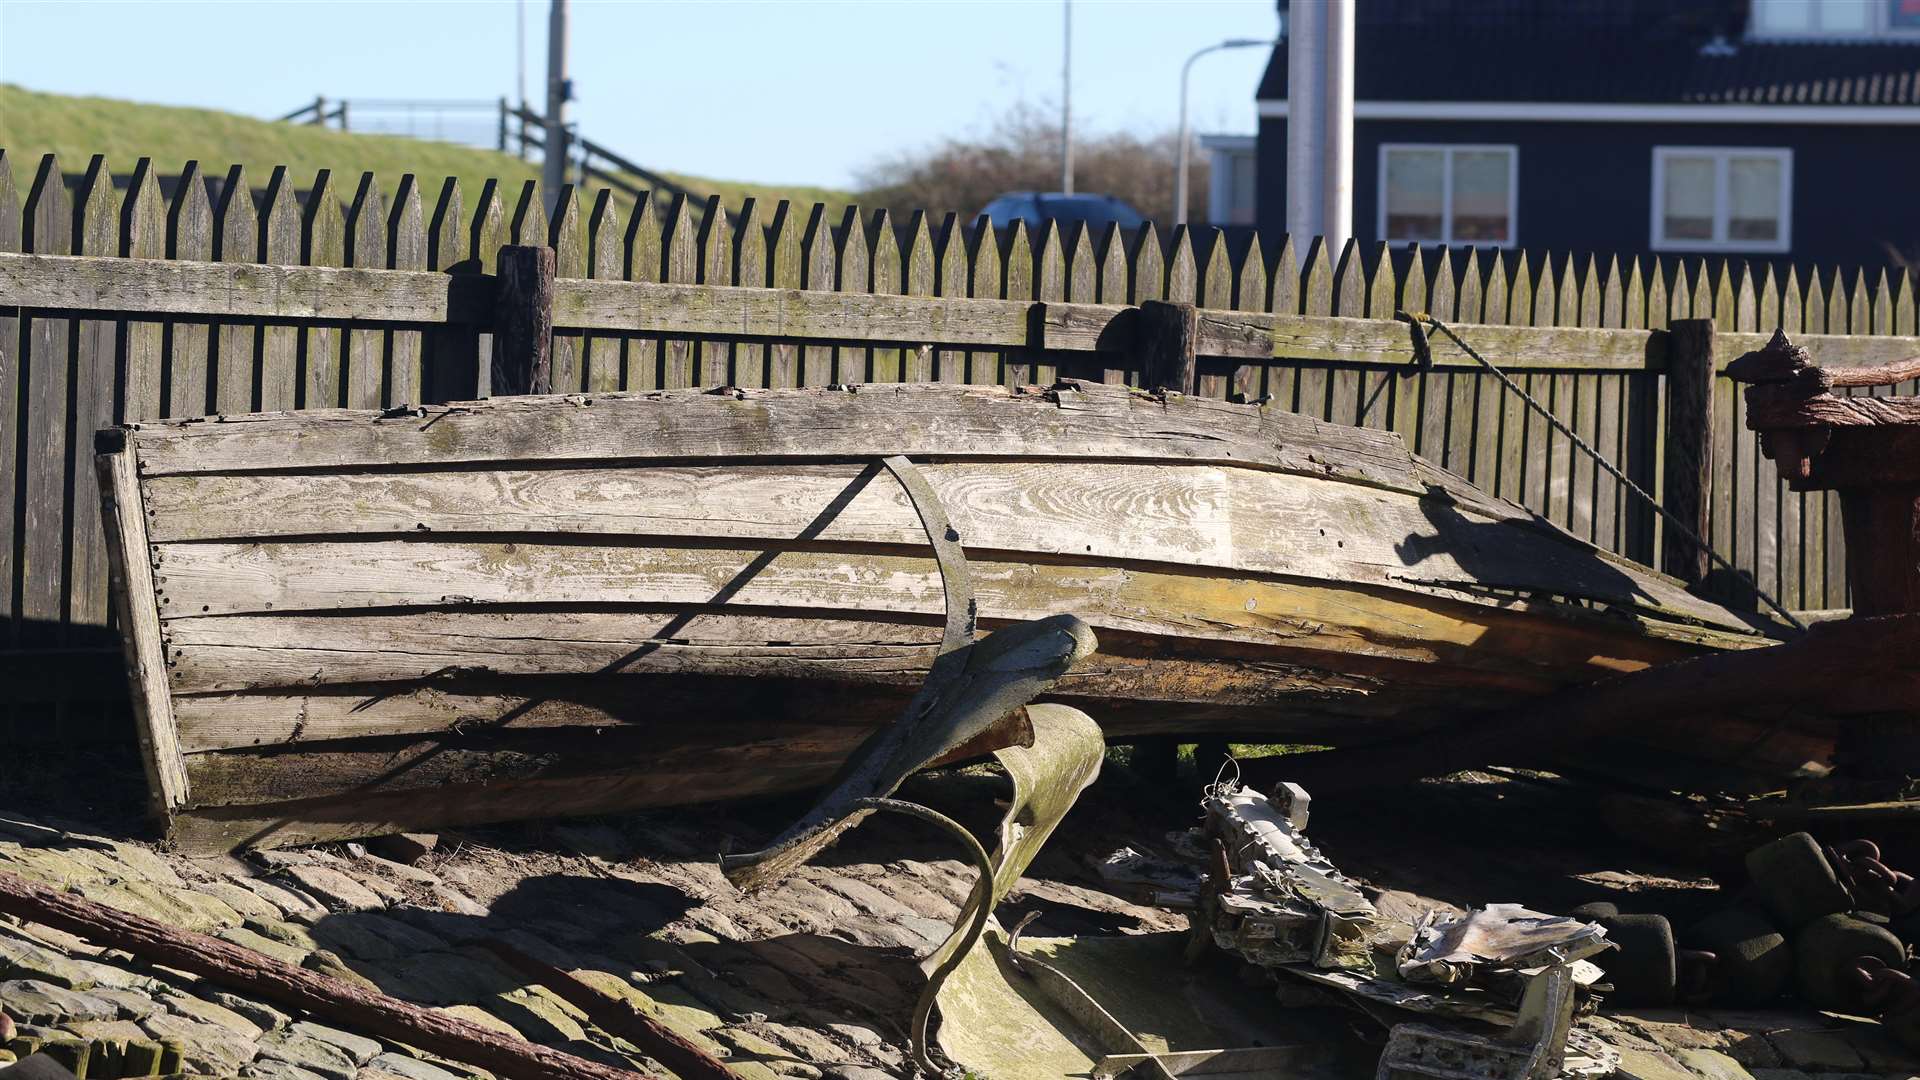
523	321
1688	470
1165	343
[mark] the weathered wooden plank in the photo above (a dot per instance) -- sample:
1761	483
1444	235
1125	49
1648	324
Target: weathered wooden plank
96	228
489	236
816	274
1016	284
567	236
1114	288
1634	313
952	278
407	380
680	265
884	279
1285	281
1087	511
1089	418
279	344
984	281
449	351
603	355
1791	302
124	529
363	381
1314	391
714	359
190	231
919	276
523	339
644	262
13	401
340	369
1251	293
1814	314
235	241
143	235
750	269
1658	304
48	228
1472	296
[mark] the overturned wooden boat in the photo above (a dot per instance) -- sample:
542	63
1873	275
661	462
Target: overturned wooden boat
347	622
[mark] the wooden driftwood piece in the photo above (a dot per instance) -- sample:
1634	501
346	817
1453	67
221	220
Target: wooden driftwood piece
332	1000
1852	666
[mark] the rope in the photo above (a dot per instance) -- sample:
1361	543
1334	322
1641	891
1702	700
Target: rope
1422	353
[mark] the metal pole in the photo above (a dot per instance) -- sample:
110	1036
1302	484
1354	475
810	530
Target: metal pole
1185	149
553	169
1336	183
1066	103
1305	123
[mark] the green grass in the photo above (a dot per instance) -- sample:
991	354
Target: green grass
33	124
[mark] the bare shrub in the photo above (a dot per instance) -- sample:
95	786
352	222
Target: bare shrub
1021	152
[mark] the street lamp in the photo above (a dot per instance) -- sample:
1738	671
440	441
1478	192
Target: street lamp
1186	150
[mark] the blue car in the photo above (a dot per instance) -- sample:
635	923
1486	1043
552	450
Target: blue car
1035	207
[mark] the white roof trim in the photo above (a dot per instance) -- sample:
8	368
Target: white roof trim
1615	113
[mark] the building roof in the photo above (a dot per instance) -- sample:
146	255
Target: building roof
1623	52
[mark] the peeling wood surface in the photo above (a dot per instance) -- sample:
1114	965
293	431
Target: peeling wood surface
435	609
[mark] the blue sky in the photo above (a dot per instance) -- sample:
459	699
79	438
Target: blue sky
793	91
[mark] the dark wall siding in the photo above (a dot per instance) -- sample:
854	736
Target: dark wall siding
1587	187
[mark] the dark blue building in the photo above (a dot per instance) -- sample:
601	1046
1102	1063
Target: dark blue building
1780	130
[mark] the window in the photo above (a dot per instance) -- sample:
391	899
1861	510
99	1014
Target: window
1721	198
1833	18
1448	194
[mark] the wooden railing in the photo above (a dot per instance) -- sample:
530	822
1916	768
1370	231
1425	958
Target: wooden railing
126	307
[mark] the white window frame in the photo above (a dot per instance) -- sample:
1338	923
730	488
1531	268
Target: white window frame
1882	27
1720	155
1512	151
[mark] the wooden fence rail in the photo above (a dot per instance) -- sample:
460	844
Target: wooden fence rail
123	306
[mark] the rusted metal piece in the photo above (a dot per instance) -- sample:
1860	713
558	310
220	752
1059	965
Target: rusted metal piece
970	687
1868	450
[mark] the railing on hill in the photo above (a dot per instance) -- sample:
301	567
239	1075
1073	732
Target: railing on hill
484	124
366	302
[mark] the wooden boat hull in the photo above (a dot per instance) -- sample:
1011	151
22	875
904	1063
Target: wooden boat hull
578	603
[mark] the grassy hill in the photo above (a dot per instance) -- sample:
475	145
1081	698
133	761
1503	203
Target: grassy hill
76	128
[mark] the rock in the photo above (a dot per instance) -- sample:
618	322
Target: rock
309	1053
292	935
260	943
407	848
776	1058
248	903
208	1012
1816	1051
410	1068
290	903
33	1001
208	911
400	871
274	1069
122	1030
327	963
266	1016
360	1048
474	1014
335	889
204	1048
804	1042
132	1004
1712	1065
1679	1033
855	1072
281	859
1650	1065
535	1016
1751	1049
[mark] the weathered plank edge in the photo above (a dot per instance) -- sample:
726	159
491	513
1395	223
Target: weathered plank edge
137	608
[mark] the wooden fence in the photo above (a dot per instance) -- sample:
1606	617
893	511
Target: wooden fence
124	306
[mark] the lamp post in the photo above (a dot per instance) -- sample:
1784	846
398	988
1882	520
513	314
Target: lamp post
1186	150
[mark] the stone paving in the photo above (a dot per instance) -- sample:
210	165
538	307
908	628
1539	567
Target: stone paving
814	978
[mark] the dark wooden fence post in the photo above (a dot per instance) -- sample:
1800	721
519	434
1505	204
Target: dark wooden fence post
1688	469
523	321
1167	336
